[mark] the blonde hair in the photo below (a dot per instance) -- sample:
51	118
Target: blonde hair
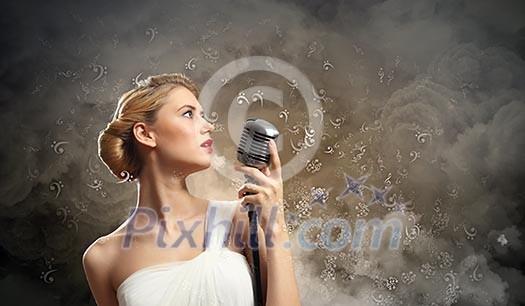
116	146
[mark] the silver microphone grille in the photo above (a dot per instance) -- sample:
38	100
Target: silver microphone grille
253	147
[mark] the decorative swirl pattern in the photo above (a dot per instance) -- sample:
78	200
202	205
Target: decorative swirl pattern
258	96
311	49
338	122
211	54
136	80
126	175
422	137
46	276
476	276
284	114
414	155
241	98
63	211
93	166
100	70
32	174
293	84
151	32
319	113
57	146
471	233
191	64
327	65
58	185
214	117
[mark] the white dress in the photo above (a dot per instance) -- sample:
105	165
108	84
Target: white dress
217	276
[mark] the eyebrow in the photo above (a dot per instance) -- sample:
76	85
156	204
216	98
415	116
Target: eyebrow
188	105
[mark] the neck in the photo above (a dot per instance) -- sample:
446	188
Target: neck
166	193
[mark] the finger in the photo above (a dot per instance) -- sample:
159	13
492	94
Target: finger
248	187
255	173
254	199
275	161
266	171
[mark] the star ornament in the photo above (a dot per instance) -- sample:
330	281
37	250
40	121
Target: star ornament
353	186
379	196
320	196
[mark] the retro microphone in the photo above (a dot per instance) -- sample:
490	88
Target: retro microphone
254	151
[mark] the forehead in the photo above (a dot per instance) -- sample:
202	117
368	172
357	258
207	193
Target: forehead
179	96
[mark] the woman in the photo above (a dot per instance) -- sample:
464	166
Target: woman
166	252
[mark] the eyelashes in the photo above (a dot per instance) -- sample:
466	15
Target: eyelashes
191	112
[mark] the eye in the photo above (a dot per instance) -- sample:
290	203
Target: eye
188	111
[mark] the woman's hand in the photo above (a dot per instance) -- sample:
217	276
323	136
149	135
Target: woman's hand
269	191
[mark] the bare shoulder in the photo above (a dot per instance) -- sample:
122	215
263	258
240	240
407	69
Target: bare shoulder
97	261
98	252
97	258
103	252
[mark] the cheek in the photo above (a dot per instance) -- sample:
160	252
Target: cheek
176	137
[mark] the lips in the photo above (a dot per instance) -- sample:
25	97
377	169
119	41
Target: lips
207	143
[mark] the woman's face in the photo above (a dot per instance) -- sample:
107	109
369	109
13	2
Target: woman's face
181	131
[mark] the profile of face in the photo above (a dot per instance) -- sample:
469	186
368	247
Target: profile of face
179	140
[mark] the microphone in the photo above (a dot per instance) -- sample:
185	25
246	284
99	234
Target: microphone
253	147
254	151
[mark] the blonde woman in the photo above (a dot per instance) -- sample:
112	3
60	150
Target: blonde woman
176	248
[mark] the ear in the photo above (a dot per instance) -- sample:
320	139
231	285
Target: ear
144	134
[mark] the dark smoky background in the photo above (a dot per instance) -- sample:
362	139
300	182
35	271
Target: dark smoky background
423	97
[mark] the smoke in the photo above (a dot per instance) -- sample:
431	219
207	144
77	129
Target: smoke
423	97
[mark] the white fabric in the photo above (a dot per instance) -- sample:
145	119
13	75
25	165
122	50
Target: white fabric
217	276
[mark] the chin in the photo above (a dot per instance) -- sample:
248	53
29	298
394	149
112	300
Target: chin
204	165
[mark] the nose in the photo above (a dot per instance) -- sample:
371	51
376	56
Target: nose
212	127
208	126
